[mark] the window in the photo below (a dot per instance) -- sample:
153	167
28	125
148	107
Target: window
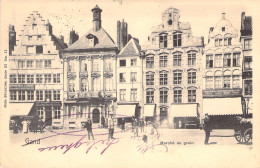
163	41
122	94
177	96
13	78
248	44
177	59
122	63
163	96
248	63
47	78
47	63
56	112
39	49
48	95
33	26
218	82
13	95
30	50
150	96
236	81
149	78
108	84
39	95
29	38
83	66
21	78
108	64
21	64
177	40
209	61
84	85
216	43
220	42
30	78
191	77
30	95
133	76
122	77
149	62
29	64
56	94
226	81
40	112
248	87
56	78
96	65
191	95
227	60
191	58
227	41
218	58
21	95
133	94
38	78
39	37
163	78
177	77
223	29
133	62
96	84
72	85
236	59
38	63
163	61
209	82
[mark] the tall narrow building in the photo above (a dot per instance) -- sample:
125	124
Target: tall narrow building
173	73
90	76
222	74
36	73
246	40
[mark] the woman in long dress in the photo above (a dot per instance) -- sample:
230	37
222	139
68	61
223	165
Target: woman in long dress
25	126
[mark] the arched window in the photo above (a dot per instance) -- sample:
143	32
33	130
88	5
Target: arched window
150	61
149	78
191	76
163	40
163	95
177	57
163	60
218	79
163	78
191	58
177	42
191	94
177	95
177	77
150	96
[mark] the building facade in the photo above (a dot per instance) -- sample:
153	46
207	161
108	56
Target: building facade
36	72
246	40
129	81
173	73
90	76
222	74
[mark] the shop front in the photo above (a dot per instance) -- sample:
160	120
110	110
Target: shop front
222	111
127	111
184	116
149	112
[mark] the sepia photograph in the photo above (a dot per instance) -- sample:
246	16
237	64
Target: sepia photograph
122	83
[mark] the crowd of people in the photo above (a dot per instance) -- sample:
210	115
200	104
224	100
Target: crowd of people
26	125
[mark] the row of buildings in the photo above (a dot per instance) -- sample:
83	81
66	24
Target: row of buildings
173	78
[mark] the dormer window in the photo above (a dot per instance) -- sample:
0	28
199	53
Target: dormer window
92	40
223	29
163	41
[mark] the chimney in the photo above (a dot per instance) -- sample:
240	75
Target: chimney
96	18
73	37
122	38
223	16
242	20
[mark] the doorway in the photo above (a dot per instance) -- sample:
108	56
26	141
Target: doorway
96	116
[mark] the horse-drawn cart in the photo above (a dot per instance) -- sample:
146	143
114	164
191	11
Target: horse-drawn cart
243	130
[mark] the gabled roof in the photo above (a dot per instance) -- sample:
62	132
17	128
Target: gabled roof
131	48
103	41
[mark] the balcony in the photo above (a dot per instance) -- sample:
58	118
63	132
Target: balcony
97	94
83	74
71	75
72	95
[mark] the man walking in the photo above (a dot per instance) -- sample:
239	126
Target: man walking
207	128
89	129
123	125
111	127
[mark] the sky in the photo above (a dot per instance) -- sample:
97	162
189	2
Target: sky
141	16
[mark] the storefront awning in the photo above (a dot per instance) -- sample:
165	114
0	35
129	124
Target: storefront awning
149	110
222	106
20	109
125	111
184	110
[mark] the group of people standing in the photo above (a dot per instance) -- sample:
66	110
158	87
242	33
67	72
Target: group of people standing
27	125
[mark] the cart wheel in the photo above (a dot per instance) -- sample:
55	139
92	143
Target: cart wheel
248	135
239	138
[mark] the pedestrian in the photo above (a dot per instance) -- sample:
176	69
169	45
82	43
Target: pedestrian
123	124
103	121
15	129
142	125
41	124
111	127
133	120
136	127
207	128
25	126
88	126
